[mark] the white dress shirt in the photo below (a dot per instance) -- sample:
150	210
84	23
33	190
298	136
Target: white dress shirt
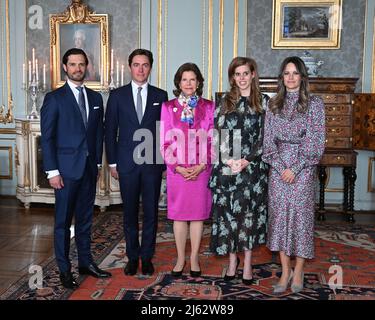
76	95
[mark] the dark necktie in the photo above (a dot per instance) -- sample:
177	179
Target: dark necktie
139	105
82	105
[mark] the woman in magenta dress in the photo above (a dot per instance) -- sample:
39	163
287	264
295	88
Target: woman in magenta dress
186	129
294	141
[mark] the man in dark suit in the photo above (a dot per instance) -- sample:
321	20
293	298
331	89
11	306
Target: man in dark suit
133	110
72	147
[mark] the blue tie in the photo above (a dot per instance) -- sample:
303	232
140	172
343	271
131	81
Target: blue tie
82	105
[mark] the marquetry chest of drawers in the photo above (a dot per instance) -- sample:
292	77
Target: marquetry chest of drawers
337	94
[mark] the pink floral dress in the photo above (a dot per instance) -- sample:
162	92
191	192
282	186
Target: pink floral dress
296	141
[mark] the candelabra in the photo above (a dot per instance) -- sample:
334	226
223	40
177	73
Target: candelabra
34	89
32	86
112	84
107	87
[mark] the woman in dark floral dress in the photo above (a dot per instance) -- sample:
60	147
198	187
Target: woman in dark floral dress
239	176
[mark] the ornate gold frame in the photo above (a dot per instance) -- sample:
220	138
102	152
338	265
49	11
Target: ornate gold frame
78	13
373	61
334	33
6	112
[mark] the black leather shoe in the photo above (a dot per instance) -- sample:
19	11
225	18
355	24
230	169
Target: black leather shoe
147	267
229	278
178	273
131	268
68	281
93	270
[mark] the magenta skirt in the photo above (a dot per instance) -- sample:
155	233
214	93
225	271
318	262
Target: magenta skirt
188	200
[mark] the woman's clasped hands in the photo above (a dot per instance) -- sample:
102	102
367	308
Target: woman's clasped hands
288	176
191	173
237	165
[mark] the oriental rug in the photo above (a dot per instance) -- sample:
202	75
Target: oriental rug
343	269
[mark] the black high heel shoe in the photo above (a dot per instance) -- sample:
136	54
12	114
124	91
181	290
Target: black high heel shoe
247	282
195	274
178	273
229	278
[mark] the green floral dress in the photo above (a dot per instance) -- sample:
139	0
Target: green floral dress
239	201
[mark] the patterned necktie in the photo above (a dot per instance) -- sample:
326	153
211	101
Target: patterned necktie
139	105
82	105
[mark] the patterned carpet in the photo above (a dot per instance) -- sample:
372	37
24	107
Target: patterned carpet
339	247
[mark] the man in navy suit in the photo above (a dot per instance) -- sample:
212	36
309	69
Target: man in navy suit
72	147
132	110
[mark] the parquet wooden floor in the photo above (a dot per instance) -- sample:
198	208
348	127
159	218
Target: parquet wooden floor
26	238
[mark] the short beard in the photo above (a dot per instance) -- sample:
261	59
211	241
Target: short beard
75	78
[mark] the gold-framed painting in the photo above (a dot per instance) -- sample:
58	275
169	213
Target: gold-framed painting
306	24
77	27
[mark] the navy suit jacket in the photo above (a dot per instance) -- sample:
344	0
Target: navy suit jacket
121	123
66	144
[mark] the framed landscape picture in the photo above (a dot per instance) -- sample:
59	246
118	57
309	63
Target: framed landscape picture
306	24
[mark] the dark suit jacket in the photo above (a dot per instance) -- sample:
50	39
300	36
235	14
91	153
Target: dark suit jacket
66	144
121	123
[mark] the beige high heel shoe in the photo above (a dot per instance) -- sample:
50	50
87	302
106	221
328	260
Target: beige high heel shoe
296	287
278	288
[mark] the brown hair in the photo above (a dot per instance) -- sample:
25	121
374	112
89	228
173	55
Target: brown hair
74	51
141	52
189	66
277	102
232	97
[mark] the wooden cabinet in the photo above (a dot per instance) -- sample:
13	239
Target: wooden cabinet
337	94
32	183
364	121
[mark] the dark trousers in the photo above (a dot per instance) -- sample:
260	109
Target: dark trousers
147	185
76	199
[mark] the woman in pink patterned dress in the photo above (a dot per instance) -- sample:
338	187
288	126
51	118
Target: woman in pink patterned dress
186	124
293	145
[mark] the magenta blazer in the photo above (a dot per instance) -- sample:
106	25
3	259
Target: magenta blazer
175	134
187	200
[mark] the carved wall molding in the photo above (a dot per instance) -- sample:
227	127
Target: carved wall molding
6	113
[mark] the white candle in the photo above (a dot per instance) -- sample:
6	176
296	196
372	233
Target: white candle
33	59
30	72
112	60
117	72
36	71
44	74
122	74
23	74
